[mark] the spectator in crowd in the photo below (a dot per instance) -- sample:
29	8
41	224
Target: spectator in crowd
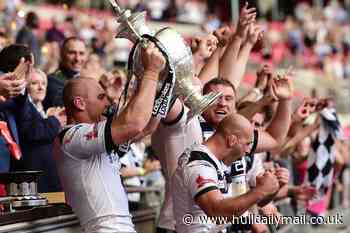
98	46
27	143
3	40
11	87
154	179
134	170
93	67
24	132
54	34
73	58
8	85
27	35
37	137
114	85
51	57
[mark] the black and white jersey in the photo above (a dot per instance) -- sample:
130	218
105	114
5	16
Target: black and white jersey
169	141
198	173
89	172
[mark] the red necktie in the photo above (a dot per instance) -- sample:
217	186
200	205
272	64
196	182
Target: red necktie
13	147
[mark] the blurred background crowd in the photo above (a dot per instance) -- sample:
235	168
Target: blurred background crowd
311	36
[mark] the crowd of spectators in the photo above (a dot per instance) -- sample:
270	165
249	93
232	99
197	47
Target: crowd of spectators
314	38
40	57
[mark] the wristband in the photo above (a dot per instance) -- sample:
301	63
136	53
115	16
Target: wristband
151	75
290	193
257	92
151	79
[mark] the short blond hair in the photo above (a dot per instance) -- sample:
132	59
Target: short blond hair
40	72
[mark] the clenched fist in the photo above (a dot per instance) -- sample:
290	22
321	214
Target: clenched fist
267	183
303	193
10	86
282	175
223	35
246	18
152	59
204	46
262	77
282	88
59	113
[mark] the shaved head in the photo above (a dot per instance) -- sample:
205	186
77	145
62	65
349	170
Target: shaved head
73	88
84	99
232	139
235	124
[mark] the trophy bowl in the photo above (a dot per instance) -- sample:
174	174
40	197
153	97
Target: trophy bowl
179	69
179	56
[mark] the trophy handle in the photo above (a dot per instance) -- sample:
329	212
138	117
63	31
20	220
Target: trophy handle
132	26
202	103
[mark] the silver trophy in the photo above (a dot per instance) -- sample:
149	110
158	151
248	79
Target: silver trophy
179	58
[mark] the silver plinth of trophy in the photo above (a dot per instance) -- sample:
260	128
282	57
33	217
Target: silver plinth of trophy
132	26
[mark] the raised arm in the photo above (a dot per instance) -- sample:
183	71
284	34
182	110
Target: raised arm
203	48
301	134
134	118
235	58
211	68
307	107
277	130
148	130
262	78
250	109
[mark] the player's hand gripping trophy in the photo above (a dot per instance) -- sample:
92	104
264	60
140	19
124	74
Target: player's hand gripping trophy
176	79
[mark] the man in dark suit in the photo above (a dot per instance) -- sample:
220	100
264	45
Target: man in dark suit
11	87
73	58
24	125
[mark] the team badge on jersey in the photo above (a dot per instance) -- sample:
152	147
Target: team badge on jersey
92	134
201	181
